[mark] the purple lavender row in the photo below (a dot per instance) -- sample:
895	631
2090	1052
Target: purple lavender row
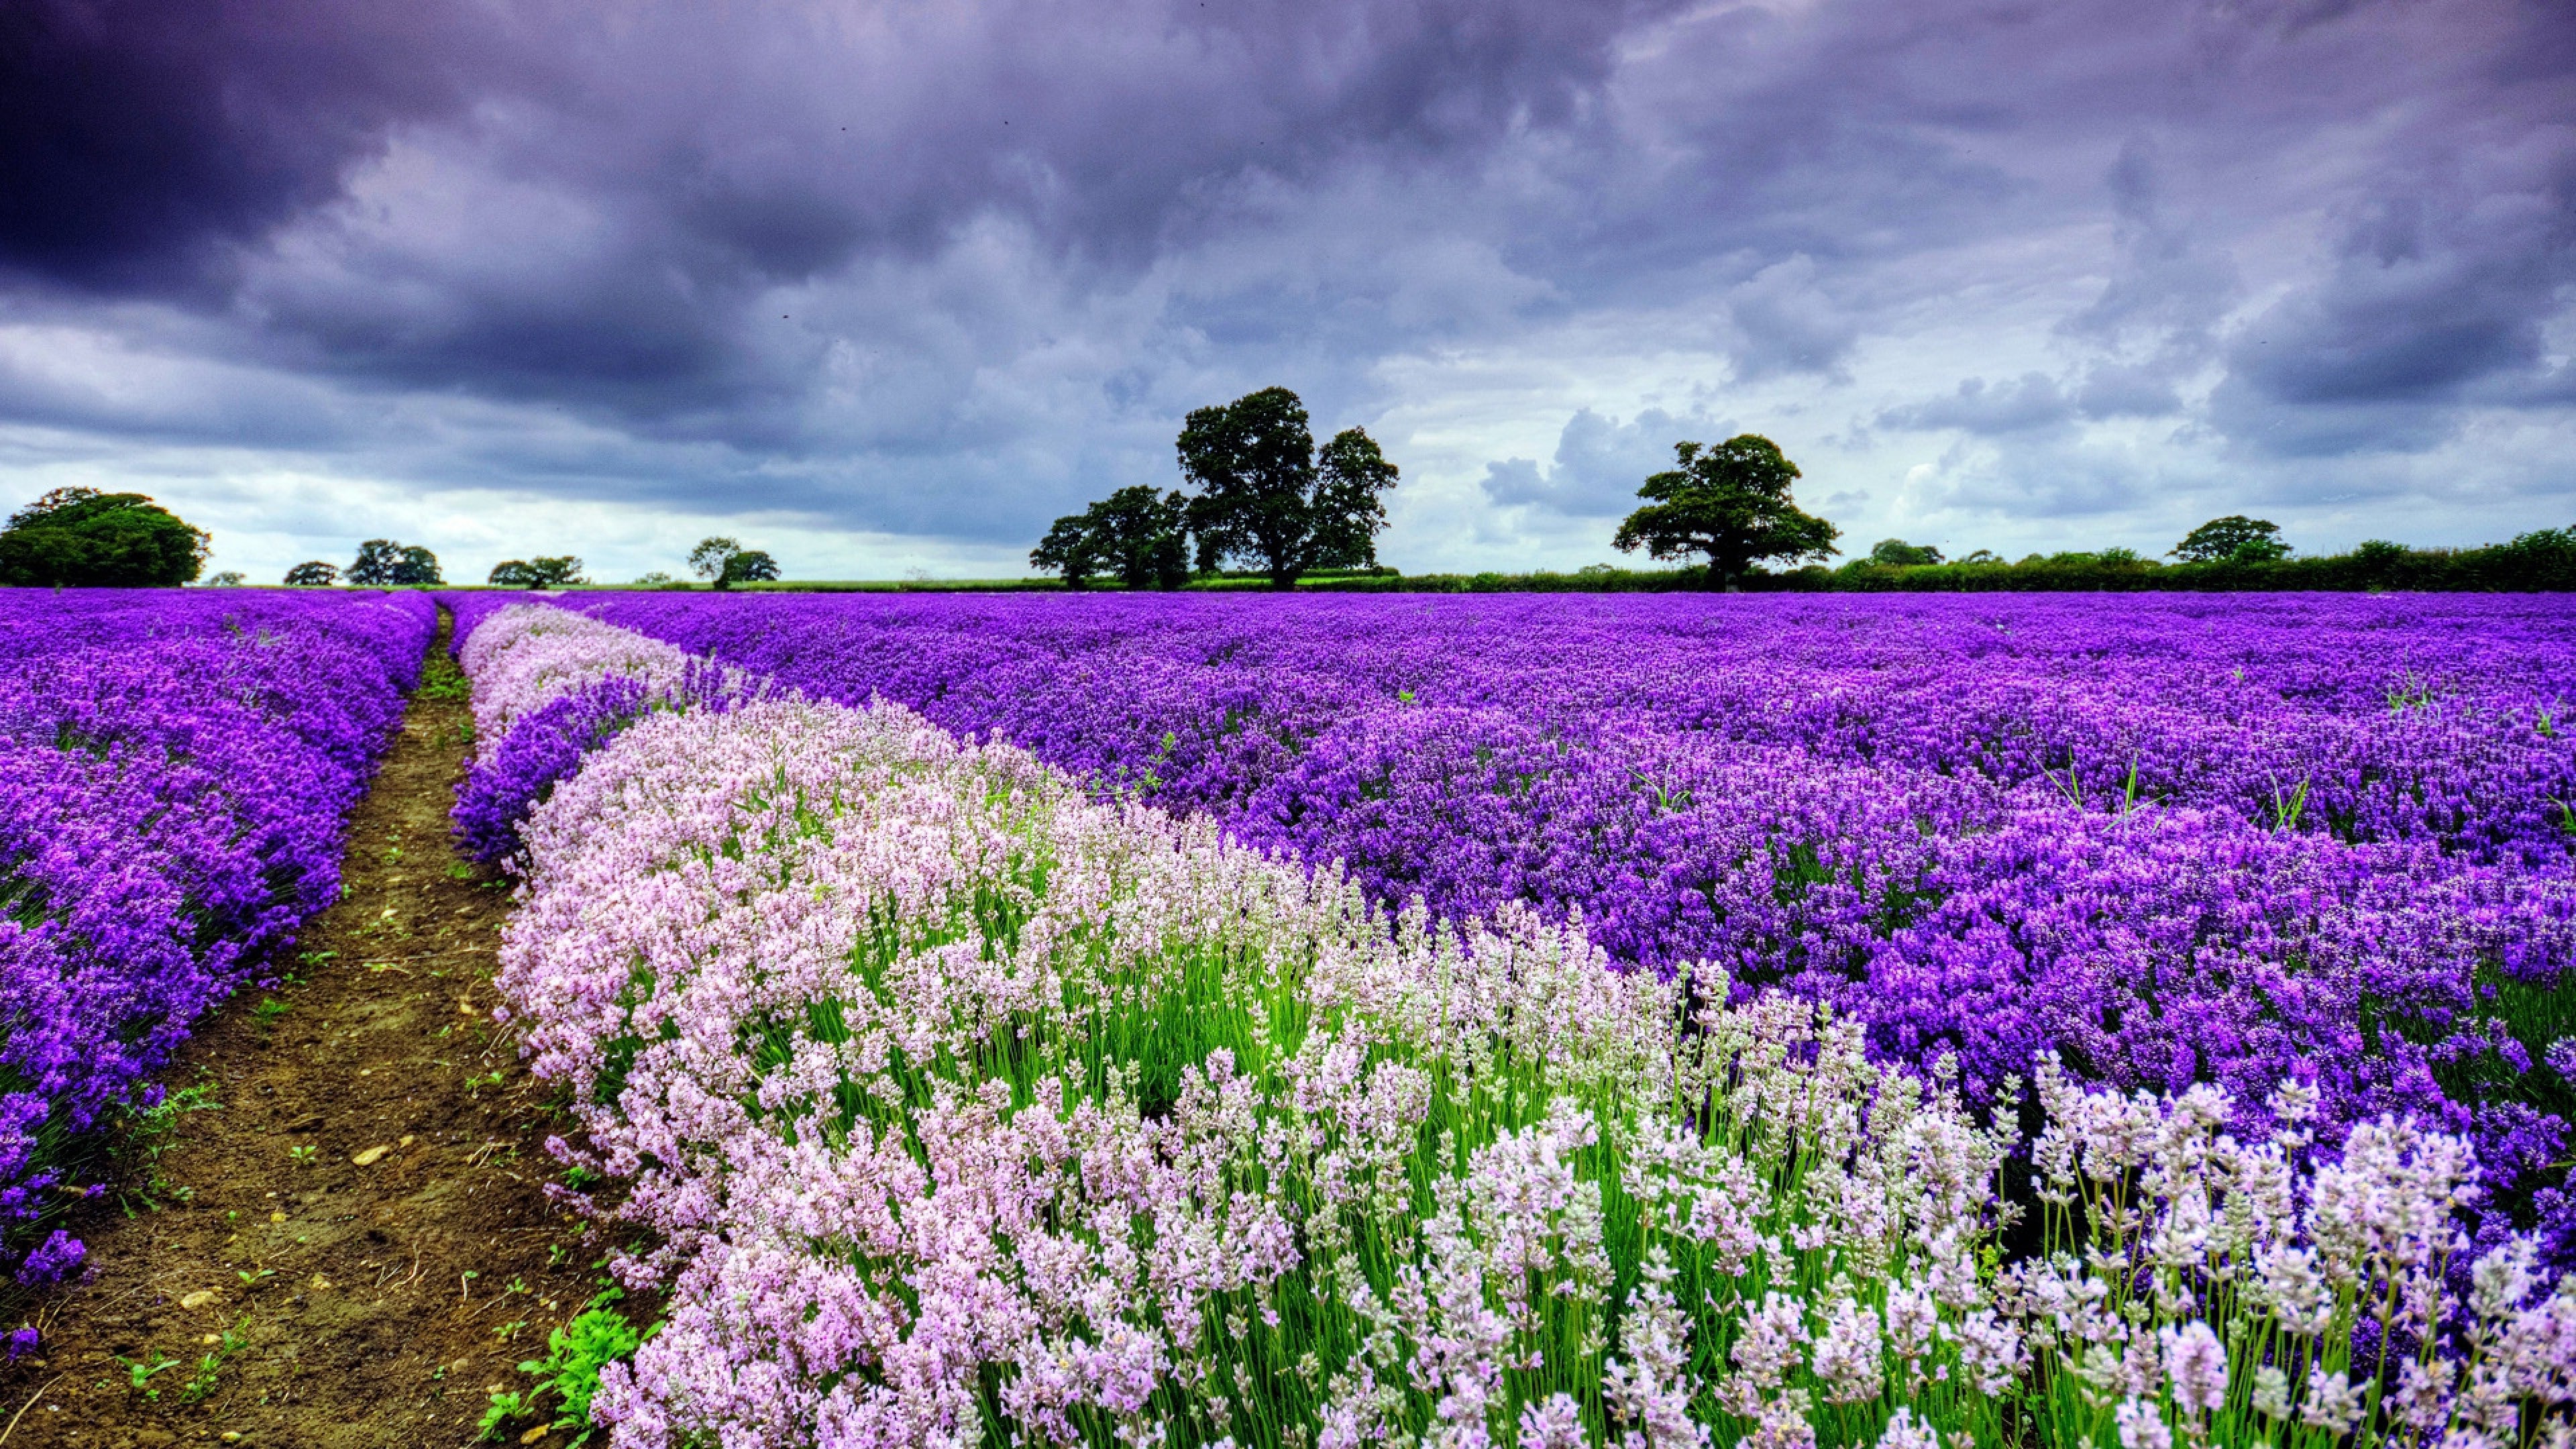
2175	840
175	771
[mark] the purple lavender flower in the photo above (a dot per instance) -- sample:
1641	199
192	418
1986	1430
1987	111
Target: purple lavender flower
541	748
175	771
58	1257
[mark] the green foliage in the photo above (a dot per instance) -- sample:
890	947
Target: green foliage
1137	535
724	562
383	563
139	1373
538	573
313	574
441	679
575	1353
2535	562
1265	496
2235	538
750	566
1730	503
1070	548
2542	559
83	538
150	1132
707	560
210	1368
1349	508
228	579
1897	553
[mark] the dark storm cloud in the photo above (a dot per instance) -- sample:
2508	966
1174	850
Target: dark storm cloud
138	138
2435	298
948	267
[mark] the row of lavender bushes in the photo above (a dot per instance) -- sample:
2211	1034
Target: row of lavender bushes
2173	839
176	770
972	1105
551	686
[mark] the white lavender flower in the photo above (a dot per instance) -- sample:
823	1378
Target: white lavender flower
2197	1363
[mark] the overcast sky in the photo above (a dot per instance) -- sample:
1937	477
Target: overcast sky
884	288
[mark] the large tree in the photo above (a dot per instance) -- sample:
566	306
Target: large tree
1730	504
417	567
1350	506
1070	549
1140	536
2236	538
1265	497
724	562
747	566
313	574
538	573
83	538
383	563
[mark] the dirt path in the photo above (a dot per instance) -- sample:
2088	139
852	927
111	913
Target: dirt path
342	1217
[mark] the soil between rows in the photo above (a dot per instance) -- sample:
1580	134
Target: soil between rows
366	1304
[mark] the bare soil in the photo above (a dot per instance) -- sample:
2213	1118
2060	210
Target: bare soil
349	1242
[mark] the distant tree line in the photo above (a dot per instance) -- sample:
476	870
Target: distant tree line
383	563
1265	495
2232	553
2542	561
541	572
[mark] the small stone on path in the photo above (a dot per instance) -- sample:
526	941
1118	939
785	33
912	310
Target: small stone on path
372	1155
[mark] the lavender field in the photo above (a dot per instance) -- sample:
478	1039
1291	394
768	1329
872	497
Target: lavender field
174	771
1557	1020
2186	841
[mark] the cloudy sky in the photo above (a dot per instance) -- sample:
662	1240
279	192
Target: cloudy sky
885	287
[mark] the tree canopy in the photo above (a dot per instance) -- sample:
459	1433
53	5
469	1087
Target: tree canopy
537	573
2236	538
1265	497
1896	552
1729	503
747	566
724	562
313	574
83	538
383	563
1070	549
1136	534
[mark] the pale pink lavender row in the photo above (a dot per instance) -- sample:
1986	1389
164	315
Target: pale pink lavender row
2176	839
175	773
